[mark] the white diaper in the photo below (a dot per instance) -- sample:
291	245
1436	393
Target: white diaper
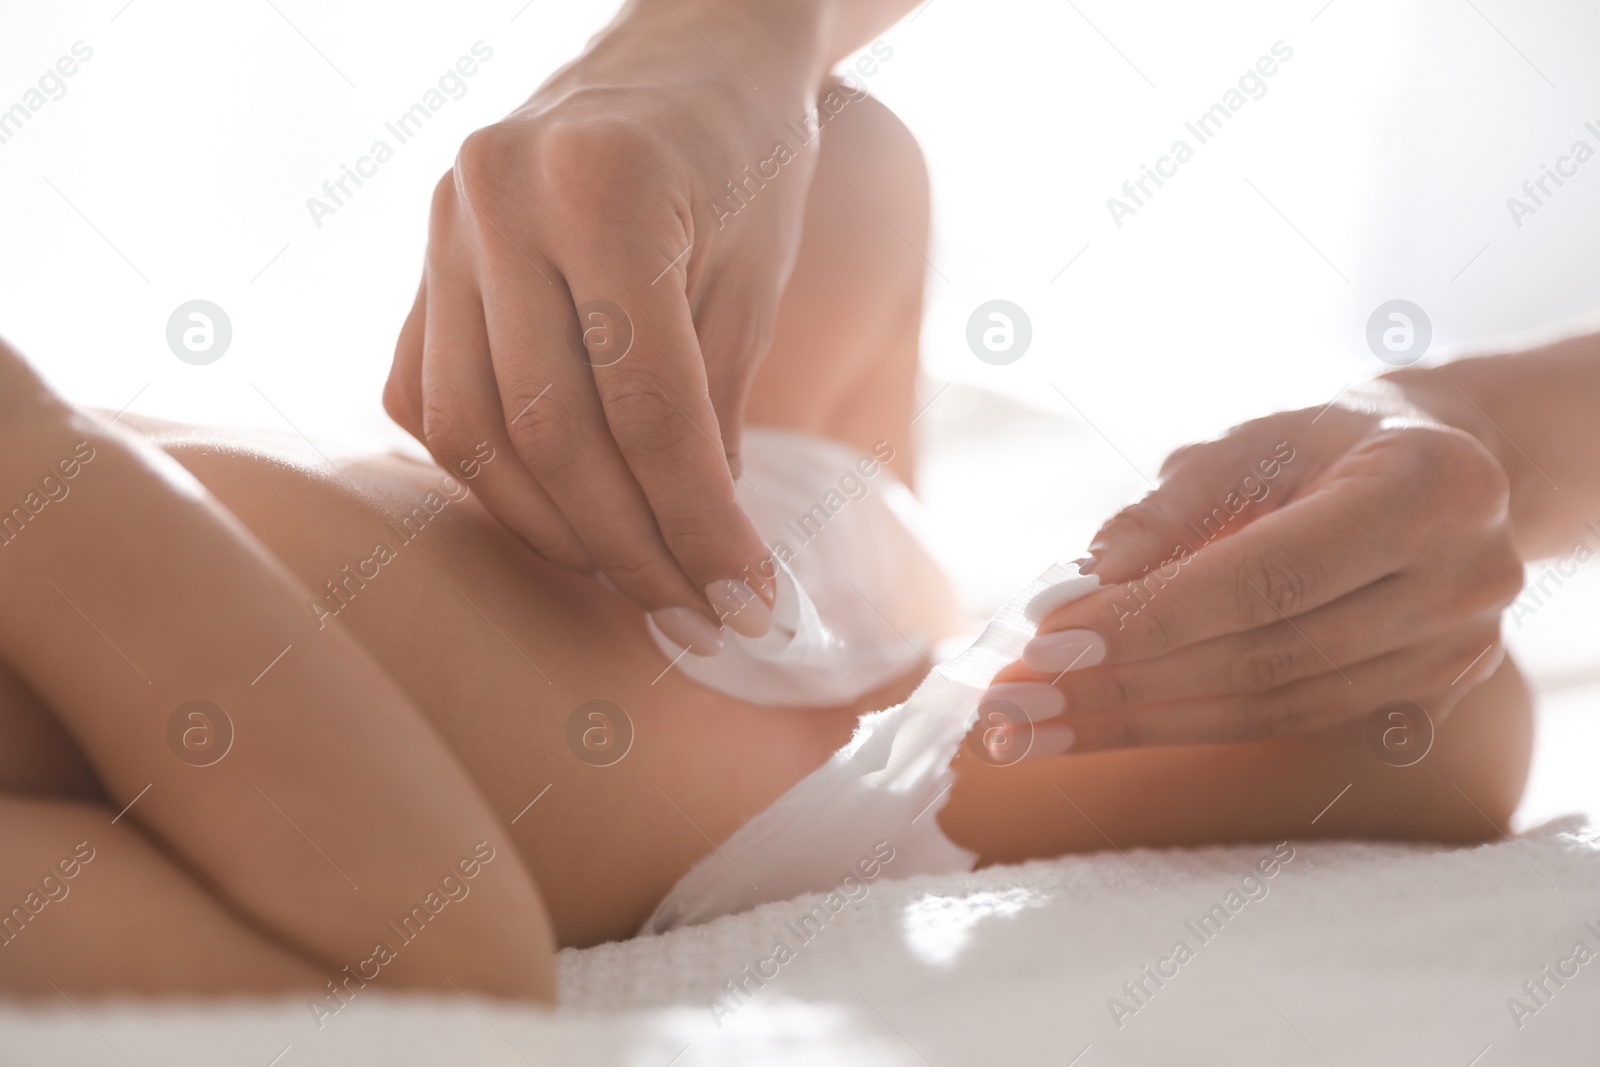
860	601
887	784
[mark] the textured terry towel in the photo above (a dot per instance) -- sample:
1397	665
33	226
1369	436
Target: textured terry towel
1362	955
886	785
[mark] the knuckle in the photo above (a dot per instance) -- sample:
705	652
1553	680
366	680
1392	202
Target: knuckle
400	400
1136	517
444	195
1282	582
593	164
1283	715
1263	668
1114	688
484	161
545	434
1122	731
445	434
1155	632
643	420
1504	577
631	572
1466	475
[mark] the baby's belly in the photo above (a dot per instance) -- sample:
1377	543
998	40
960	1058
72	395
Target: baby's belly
613	771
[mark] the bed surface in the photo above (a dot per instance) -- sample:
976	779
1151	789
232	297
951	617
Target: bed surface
1353	953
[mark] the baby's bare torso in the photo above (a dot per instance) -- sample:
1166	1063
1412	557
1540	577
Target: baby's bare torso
615	772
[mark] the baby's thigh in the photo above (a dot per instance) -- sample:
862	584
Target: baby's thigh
1343	782
90	905
38	757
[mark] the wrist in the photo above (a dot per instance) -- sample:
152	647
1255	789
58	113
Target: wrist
779	45
1458	394
1434	391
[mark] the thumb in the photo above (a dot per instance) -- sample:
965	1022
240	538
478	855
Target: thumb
1208	491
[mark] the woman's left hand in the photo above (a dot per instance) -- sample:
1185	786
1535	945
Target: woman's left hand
1302	570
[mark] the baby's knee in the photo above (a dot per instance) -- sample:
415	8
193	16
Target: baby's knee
867	146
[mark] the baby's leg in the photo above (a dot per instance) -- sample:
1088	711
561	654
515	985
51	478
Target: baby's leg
1329	784
91	907
843	362
333	808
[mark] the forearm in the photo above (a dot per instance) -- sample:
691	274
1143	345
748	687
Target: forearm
792	42
1536	411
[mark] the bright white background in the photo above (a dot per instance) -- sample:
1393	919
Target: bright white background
178	164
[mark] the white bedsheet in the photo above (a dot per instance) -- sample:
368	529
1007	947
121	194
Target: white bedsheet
1357	954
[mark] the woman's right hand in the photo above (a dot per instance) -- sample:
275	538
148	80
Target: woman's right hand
597	296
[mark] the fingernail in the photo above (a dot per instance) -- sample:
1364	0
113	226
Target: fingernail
739	607
1068	650
1036	699
766	585
1086	565
689	628
606	583
1050	739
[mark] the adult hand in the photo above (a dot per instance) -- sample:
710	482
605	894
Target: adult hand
1302	570
602	279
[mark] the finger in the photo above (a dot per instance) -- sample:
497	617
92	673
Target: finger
1415	673
402	392
1285	564
1207	491
1389	614
559	430
463	424
660	413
